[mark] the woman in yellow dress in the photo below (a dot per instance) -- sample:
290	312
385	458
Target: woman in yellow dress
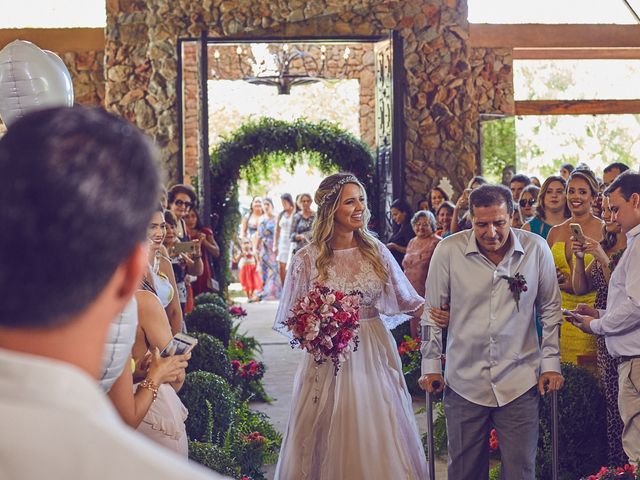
582	191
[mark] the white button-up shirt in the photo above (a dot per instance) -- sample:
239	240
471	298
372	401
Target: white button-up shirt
58	424
493	355
620	322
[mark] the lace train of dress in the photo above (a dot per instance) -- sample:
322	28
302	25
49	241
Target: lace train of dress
359	423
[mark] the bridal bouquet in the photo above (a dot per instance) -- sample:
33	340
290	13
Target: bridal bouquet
325	323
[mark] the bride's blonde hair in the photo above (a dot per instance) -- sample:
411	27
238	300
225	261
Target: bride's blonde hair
327	198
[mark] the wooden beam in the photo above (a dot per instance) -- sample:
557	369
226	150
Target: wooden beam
59	40
576	107
576	53
554	36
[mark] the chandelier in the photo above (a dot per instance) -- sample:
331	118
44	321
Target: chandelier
284	68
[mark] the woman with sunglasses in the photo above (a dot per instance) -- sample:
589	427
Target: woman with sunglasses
181	198
528	199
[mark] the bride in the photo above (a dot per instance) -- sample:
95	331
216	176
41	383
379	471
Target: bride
359	423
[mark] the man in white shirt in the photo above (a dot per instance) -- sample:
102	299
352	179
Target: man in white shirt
620	322
492	277
78	187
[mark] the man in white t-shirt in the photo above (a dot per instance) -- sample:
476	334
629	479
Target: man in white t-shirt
77	187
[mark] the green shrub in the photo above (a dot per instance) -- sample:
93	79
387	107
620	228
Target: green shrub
210	355
582	434
212	319
210	297
253	441
200	387
214	457
495	472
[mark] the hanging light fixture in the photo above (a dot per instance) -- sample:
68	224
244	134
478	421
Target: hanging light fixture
286	68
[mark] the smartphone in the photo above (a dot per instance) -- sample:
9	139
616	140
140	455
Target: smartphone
570	314
180	344
576	231
187	247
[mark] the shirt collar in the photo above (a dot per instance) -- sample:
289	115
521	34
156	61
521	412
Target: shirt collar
633	232
516	246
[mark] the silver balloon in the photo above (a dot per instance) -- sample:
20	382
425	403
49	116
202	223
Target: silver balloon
31	78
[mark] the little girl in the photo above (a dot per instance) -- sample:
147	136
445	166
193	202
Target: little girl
248	272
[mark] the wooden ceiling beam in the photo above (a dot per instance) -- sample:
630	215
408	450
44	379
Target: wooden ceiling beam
576	53
576	107
59	40
600	36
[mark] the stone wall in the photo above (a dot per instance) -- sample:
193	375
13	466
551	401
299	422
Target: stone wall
492	69
87	75
440	112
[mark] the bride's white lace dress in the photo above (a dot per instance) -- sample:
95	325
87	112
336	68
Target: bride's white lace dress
359	424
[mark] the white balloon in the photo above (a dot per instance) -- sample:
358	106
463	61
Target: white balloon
31	78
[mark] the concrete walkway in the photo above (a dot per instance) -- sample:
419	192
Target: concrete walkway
281	363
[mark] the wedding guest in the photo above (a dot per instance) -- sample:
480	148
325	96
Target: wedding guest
461	220
266	248
582	190
181	198
551	208
437	197
282	241
302	223
517	184
516	217
184	265
611	171
251	221
248	272
496	369
620	322
82	225
358	423
209	251
402	231
418	256
159	271
443	217
535	181
527	202
596	277
565	170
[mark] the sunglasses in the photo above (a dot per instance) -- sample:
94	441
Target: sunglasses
181	203
527	203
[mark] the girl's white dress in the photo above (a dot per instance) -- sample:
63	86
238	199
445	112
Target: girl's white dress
359	424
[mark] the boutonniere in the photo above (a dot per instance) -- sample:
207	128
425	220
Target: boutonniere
517	285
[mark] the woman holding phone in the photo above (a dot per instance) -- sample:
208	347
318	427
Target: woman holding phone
461	220
582	190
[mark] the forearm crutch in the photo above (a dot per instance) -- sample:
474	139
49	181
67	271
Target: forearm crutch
430	449
431	461
555	465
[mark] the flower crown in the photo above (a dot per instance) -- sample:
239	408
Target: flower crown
336	188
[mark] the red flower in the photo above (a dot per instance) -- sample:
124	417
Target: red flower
239	345
494	445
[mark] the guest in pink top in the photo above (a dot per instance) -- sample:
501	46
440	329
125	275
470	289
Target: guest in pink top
419	251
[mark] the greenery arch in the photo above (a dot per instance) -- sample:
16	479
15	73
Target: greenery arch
258	146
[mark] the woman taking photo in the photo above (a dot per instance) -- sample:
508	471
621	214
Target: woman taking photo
402	230
302	222
461	219
606	254
282	239
551	209
209	251
582	190
358	423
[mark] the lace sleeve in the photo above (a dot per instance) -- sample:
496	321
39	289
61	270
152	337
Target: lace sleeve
296	284
398	298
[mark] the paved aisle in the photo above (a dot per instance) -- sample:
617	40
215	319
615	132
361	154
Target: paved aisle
281	362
